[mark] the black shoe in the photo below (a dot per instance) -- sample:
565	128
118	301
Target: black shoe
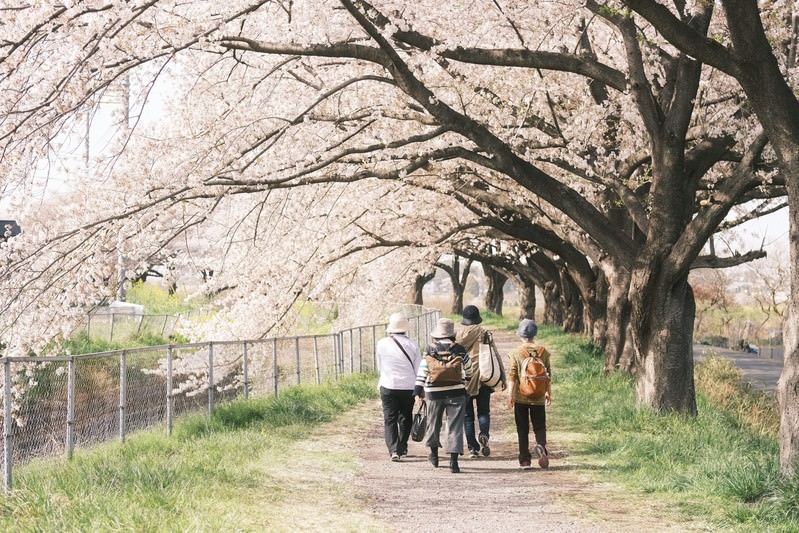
453	463
433	457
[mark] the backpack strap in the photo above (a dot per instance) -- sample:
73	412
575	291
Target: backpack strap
408	357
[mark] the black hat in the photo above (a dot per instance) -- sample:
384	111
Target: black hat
471	316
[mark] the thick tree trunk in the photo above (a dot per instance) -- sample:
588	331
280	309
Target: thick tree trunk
788	389
596	314
618	318
572	305
495	296
417	289
526	300
553	303
663	336
457	300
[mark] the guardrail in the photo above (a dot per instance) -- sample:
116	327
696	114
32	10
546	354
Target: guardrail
51	405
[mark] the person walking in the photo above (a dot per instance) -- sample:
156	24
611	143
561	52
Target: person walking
470	337
527	410
398	361
441	380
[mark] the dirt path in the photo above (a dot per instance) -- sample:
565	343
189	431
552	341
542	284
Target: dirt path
492	493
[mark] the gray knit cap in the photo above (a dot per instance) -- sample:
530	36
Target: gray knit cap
527	329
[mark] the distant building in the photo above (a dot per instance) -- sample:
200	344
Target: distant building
8	229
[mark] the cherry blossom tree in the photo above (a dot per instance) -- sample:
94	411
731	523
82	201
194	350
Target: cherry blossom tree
333	146
763	62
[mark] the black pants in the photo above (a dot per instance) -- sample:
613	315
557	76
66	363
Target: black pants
524	415
397	419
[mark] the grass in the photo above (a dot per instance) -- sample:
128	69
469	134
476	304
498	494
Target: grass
82	343
158	301
721	465
214	472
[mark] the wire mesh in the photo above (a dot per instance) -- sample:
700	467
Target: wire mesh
39	415
145	389
55	403
96	400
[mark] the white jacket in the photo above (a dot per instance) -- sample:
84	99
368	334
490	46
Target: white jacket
396	371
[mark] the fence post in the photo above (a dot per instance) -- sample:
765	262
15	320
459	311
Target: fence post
297	356
169	400
352	353
341	355
163	328
274	364
316	360
374	347
360	350
113	322
210	377
334	341
246	374
123	393
7	424
141	321
70	444
89	326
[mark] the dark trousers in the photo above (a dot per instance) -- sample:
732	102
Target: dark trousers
483	401
397	419
524	415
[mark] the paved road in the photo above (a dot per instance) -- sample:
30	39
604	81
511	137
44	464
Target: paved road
760	370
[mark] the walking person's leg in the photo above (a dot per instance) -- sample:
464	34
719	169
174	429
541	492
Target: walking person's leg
521	414
538	417
456	408
435	415
468	427
483	401
405	421
390	416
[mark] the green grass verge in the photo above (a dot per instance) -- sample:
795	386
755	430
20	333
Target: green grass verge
218	473
716	466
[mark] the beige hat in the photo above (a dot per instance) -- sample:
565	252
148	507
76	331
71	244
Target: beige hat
445	329
397	323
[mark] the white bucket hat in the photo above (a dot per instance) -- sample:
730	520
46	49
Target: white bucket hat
397	323
445	329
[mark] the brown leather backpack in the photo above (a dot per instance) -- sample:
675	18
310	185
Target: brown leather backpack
533	376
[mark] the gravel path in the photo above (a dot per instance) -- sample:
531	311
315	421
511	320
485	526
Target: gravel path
492	493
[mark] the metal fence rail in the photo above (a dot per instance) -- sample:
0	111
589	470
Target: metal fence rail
80	400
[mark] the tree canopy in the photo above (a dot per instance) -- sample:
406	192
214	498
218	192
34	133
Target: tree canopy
304	150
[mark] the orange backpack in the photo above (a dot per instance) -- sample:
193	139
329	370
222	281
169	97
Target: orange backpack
533	376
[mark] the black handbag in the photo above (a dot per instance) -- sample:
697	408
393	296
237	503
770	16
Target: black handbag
419	423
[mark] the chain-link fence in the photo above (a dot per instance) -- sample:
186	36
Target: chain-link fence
51	405
121	326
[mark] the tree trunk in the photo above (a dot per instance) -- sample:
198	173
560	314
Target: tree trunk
526	300
595	322
495	295
663	318
618	317
572	305
417	290
553	303
788	388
